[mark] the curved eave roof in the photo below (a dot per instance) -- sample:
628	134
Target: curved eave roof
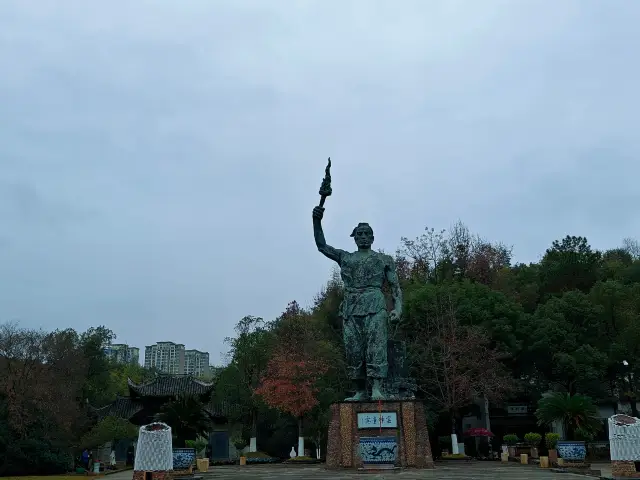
122	407
167	386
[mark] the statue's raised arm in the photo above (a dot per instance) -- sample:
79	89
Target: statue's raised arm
328	251
334	254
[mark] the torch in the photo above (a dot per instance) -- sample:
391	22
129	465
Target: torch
325	188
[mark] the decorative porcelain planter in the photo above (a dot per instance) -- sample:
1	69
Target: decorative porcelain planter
183	458
378	451
573	451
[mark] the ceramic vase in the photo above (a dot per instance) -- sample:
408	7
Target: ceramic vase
572	450
183	458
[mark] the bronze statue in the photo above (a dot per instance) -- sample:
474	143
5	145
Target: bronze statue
364	312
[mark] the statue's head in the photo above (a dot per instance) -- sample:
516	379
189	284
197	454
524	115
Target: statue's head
363	235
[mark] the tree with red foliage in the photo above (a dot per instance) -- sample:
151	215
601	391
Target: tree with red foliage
295	367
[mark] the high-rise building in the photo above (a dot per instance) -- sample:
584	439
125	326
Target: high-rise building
166	357
196	363
122	353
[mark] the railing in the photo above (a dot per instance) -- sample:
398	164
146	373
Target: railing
598	450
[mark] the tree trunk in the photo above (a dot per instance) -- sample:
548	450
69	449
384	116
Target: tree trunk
300	438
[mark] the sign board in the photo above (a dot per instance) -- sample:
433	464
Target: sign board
517	409
377	420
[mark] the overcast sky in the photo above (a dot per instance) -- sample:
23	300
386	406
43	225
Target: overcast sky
159	160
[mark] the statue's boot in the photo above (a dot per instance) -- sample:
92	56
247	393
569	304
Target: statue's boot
360	396
376	390
361	392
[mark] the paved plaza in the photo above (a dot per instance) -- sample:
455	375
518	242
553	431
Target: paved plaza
447	471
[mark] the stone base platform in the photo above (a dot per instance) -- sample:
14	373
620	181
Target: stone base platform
410	431
161	474
624	469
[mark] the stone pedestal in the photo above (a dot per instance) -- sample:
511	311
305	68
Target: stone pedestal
620	469
408	426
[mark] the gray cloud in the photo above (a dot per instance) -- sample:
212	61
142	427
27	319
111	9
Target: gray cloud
160	159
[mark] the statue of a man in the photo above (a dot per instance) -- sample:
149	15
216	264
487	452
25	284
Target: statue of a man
364	309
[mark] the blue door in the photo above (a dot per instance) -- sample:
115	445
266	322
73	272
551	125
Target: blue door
219	445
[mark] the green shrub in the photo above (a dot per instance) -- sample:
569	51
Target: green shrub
551	440
533	439
510	439
578	413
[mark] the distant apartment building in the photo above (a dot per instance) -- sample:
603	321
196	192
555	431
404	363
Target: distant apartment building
215	371
166	357
122	353
196	363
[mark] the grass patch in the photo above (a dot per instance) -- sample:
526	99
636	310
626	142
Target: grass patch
255	455
300	459
456	456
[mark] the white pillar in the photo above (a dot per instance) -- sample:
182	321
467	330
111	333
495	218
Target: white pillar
300	446
454	444
486	413
253	445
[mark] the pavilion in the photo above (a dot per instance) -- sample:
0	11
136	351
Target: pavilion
145	402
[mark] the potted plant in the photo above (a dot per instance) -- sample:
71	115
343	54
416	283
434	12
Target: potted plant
579	416
533	440
551	440
239	443
511	440
202	463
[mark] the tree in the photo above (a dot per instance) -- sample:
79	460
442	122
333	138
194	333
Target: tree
290	385
578	414
632	247
570	264
455	363
475	305
248	354
40	391
443	255
568	344
93	343
299	361
109	429
186	417
121	372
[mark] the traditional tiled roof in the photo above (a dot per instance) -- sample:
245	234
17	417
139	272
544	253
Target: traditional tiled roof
170	385
122	407
219	408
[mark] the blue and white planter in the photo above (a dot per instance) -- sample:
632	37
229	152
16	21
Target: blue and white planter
183	458
378	451
572	450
